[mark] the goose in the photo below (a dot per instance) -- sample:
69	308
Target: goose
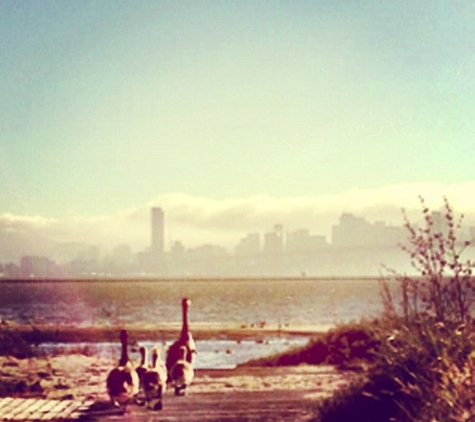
122	381
182	373
185	339
155	381
141	370
143	366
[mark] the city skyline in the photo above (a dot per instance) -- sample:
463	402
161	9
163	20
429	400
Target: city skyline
197	220
350	232
277	252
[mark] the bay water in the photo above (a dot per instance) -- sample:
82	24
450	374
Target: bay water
319	302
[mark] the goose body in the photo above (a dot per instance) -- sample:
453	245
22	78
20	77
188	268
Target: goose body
182	373
122	381
185	339
155	382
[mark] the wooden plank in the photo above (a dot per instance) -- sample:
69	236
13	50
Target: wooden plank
62	410
47	405
48	415
8	404
18	409
66	410
58	406
4	402
31	409
21	405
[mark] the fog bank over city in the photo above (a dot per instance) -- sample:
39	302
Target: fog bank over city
194	220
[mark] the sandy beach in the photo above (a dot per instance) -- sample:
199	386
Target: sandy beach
244	393
271	393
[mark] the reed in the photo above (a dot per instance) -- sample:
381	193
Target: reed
424	365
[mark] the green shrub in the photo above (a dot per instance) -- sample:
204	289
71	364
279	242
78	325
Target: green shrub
343	345
352	342
422	373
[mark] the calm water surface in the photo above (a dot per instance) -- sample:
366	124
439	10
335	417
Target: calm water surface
320	301
105	303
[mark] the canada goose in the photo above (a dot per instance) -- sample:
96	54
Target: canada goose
185	339
182	373
143	367
155	381
122	382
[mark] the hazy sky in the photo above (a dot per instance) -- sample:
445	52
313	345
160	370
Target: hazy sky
107	106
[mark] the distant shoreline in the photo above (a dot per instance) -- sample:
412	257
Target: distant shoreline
48	333
187	279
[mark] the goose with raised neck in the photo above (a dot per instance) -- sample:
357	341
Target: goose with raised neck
122	381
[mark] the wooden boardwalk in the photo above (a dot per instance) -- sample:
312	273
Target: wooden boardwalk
251	406
276	406
16	409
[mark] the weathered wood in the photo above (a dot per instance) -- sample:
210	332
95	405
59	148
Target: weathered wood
54	410
29	410
47	405
62	410
7	405
17	409
5	401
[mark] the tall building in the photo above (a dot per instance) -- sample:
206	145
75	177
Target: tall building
158	234
249	245
274	241
357	232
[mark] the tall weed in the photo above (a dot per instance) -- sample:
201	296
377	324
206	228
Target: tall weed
424	368
444	287
429	350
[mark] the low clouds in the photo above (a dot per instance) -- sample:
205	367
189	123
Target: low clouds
196	220
319	213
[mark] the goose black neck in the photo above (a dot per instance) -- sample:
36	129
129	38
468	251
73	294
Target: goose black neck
154	359
184	327
143	355
124	357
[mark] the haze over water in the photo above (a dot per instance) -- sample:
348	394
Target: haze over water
320	303
299	301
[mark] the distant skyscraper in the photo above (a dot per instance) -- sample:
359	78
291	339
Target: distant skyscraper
158	235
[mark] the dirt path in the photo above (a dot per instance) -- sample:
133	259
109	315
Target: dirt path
246	394
243	394
227	406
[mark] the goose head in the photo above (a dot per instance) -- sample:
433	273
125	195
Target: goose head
155	356
185	302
